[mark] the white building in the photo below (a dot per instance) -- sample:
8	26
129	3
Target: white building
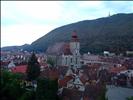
11	65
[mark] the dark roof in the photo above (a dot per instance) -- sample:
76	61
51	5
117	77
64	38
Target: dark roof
59	49
72	94
66	49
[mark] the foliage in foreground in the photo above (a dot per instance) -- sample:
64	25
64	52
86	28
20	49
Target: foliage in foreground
47	89
11	88
130	98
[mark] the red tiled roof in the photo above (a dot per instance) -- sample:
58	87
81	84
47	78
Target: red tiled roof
64	81
50	73
19	69
117	69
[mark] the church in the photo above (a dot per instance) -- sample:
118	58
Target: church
66	54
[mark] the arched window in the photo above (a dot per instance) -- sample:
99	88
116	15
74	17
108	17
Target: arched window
66	60
71	60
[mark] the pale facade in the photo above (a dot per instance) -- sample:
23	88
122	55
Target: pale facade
73	59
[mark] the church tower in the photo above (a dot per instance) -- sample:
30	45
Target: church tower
75	50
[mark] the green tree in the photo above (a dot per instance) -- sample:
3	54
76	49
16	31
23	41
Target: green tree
130	98
10	86
46	89
28	95
33	69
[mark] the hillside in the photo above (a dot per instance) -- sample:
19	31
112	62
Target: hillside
114	33
15	48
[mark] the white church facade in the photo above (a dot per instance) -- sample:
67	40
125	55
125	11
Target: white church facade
72	59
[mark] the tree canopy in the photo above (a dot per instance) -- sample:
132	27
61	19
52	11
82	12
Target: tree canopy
33	69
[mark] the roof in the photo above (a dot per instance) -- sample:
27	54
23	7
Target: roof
19	69
50	73
84	78
64	81
74	37
66	49
59	49
71	94
117	69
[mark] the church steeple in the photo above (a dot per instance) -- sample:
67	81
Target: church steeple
75	48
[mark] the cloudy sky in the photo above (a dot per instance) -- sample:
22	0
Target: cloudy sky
25	21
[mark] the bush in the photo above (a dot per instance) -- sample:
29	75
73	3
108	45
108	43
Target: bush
130	98
29	95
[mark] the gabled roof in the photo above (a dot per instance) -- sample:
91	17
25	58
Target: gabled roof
63	82
59	49
69	72
77	81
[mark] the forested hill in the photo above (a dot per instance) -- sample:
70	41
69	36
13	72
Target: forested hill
113	33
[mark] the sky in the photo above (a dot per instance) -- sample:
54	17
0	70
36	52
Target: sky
25	21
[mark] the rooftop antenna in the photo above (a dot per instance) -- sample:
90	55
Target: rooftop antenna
109	13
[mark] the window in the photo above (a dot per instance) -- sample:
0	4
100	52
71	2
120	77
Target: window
76	60
71	60
66	60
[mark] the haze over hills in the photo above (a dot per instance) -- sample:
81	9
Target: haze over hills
113	33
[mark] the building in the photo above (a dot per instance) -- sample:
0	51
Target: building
66	54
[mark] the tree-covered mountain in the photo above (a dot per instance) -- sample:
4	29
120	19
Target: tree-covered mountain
113	33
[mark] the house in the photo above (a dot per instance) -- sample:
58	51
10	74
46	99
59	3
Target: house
11	65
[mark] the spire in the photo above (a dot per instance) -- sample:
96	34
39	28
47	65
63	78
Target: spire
74	36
